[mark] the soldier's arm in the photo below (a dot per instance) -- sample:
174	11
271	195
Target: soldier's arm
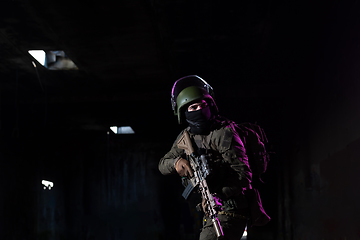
167	163
233	152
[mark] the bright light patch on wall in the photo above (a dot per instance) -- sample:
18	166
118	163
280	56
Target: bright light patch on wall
122	130
39	55
53	60
114	129
47	184
244	236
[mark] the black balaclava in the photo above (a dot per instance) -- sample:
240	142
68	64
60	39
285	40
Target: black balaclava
200	121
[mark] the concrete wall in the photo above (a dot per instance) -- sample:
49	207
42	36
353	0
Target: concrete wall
106	186
325	166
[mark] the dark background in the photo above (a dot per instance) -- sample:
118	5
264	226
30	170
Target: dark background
292	67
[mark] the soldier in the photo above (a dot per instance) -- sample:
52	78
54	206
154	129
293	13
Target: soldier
216	137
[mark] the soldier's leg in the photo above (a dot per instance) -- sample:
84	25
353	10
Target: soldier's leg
208	233
233	228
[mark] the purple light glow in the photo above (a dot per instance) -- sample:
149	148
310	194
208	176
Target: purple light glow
217	200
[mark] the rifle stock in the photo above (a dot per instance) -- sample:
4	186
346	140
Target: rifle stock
184	142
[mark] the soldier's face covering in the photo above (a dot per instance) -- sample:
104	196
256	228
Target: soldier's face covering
200	121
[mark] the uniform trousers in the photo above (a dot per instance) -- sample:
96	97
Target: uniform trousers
233	228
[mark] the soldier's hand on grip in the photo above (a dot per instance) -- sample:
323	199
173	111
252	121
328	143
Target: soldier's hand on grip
183	168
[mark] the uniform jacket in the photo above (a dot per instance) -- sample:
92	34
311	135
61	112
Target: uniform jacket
228	160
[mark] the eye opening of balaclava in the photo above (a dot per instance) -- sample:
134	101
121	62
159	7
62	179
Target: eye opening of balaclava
200	120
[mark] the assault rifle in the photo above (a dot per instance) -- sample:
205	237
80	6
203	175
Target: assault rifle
201	170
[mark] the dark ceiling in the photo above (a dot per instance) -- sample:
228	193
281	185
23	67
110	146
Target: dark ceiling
130	52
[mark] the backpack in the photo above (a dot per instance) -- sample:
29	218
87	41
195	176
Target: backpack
254	139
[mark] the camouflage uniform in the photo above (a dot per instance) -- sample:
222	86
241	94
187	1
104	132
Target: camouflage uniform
227	158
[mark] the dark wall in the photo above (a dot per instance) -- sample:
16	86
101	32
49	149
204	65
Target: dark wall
106	186
324	170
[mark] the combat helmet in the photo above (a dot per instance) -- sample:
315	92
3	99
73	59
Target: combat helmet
189	89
